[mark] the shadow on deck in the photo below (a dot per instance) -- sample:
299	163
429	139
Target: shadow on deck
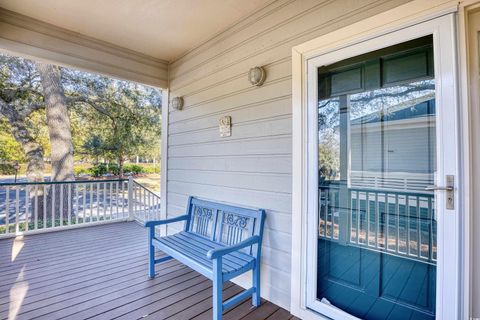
101	273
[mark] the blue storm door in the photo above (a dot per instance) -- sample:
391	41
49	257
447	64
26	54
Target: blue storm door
377	230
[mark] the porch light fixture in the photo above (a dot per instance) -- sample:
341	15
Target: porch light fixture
177	103
256	76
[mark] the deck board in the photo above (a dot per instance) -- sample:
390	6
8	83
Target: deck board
100	272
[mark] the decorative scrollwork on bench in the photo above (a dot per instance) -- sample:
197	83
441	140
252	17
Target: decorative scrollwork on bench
235	220
203	220
203	213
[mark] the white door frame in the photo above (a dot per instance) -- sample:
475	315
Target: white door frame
415	20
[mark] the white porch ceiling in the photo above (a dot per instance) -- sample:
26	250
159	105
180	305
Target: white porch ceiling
164	29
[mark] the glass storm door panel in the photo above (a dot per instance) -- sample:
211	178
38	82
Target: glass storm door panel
377	237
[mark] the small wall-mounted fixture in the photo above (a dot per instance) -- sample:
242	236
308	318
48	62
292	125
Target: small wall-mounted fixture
225	126
177	103
256	76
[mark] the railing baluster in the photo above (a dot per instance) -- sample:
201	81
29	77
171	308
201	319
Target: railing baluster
98	200
69	203
53	205
432	243
387	213
358	218
138	199
35	209
110	202
45	206
90	216
60	214
326	213
149	206
377	220
116	199
122	184
84	211
418	227
104	201
397	238
367	213
27	209
77	211
408	212
144	205
7	210
17	208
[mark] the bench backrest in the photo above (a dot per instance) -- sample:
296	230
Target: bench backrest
223	223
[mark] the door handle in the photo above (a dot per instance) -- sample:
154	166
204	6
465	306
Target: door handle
449	188
435	188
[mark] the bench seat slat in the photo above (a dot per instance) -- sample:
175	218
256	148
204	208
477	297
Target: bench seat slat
192	245
191	251
238	257
204	270
195	248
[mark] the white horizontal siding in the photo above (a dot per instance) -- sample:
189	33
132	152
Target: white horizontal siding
252	167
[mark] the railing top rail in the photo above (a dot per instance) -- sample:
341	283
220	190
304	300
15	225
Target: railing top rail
380	191
6	184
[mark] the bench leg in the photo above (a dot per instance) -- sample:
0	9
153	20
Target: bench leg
217	289
151	253
256	285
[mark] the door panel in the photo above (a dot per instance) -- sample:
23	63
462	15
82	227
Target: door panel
377	230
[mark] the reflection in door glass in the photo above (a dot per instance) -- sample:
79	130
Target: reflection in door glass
377	230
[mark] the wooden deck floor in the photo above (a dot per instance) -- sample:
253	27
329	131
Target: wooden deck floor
101	273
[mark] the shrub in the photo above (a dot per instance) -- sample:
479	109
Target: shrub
133	168
7	168
103	168
81	170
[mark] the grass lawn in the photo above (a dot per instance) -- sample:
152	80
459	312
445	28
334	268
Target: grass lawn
151	181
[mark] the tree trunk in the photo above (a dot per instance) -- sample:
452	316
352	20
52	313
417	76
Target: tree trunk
59	131
58	123
120	166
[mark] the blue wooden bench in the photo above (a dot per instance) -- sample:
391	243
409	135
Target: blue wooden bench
219	241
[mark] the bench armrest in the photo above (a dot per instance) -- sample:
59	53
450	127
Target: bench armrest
154	223
215	253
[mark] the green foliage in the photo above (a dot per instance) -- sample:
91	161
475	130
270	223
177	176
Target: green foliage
151	169
10	149
122	118
81	170
94	146
134	168
112	168
7	168
104	168
111	120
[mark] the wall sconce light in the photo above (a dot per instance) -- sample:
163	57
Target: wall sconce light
256	76
177	103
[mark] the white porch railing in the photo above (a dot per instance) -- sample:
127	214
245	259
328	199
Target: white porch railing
145	203
27	207
392	222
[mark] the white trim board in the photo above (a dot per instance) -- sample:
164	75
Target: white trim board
406	15
164	159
